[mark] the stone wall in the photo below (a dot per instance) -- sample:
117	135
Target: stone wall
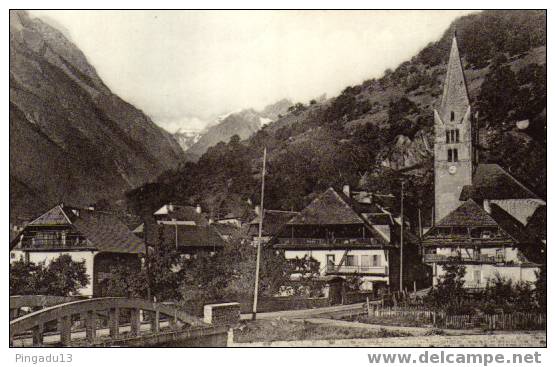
537	339
222	314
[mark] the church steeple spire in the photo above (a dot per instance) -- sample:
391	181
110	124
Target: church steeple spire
454	97
453	146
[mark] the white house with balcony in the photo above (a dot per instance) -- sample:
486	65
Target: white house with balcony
348	237
97	238
487	243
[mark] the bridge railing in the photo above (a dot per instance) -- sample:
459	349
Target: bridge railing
88	310
37	301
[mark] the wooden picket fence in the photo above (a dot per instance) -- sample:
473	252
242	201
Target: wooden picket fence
417	313
507	321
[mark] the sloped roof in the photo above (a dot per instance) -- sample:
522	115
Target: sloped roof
183	213
55	216
467	214
190	236
106	233
529	245
273	222
226	229
490	181
328	208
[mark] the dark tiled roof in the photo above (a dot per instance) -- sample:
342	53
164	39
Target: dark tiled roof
273	222
189	236
328	208
510	225
490	181
103	230
467	214
107	233
192	236
226	229
529	245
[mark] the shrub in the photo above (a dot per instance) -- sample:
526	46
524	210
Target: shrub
61	277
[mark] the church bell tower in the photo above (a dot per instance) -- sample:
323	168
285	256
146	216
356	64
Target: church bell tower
453	143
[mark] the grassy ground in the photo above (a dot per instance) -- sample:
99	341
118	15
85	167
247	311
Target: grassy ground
281	329
390	321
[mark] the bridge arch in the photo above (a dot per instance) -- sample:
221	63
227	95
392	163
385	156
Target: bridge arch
62	313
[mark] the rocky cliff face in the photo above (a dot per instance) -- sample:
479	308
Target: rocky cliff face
71	138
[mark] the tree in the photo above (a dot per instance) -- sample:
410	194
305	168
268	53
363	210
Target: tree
127	281
540	288
449	295
61	277
229	275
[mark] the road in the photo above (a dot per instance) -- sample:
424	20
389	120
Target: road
340	310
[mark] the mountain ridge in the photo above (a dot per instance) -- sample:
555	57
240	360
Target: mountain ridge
71	138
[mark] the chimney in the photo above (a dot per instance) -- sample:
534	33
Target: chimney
346	190
198	209
258	209
170	208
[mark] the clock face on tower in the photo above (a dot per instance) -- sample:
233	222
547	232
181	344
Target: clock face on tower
452	170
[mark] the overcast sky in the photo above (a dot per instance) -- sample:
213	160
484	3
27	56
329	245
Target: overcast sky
183	68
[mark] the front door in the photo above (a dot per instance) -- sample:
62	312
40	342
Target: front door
336	291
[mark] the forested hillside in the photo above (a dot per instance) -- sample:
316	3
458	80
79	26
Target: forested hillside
368	132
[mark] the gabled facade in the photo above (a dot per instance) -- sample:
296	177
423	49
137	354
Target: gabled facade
99	238
348	238
487	243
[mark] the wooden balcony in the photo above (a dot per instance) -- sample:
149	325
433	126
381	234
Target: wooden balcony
475	258
361	270
326	242
54	244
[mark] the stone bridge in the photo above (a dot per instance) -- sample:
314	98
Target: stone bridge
90	312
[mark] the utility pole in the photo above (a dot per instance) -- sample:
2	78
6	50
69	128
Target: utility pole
256	293
401	243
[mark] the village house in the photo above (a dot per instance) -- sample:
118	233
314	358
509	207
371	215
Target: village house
186	228
350	234
485	219
273	222
99	238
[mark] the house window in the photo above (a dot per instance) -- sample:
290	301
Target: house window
351	260
450	155
455	154
330	261
365	261
499	254
457	136
452	116
477	276
376	260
